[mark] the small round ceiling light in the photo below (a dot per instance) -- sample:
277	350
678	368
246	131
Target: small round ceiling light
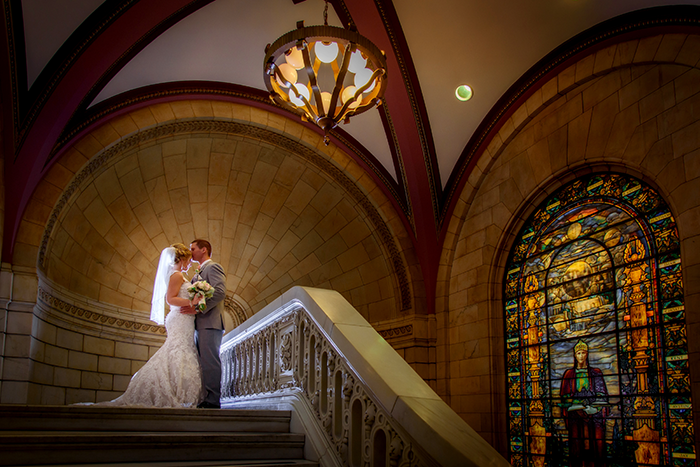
463	92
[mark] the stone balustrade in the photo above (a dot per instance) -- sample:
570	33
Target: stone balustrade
357	400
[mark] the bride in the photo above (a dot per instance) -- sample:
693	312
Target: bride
172	377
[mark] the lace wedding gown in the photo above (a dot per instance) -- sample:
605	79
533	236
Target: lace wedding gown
172	377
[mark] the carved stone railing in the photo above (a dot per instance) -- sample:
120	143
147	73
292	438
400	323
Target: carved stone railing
357	400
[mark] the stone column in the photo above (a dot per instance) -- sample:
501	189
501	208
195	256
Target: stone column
18	292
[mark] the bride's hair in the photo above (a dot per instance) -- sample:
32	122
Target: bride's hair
182	253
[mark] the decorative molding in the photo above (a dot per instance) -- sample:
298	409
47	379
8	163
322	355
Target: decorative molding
397	332
400	166
245	130
12	58
393	30
114	105
94	317
76	51
234	310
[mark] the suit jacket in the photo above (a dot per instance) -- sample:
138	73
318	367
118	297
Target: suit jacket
212	316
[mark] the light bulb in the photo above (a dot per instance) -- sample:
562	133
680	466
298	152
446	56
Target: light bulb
463	92
289	73
362	77
357	62
348	94
326	99
295	58
326	51
301	89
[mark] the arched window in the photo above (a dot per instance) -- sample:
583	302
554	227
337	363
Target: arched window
596	345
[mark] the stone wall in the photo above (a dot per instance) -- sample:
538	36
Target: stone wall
631	107
274	220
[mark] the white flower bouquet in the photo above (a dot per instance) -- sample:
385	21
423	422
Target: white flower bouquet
202	289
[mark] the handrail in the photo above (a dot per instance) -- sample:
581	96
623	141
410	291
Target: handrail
365	400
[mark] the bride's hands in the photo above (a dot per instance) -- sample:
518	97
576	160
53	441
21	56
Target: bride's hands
190	309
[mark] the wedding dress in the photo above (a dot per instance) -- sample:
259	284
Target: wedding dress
172	377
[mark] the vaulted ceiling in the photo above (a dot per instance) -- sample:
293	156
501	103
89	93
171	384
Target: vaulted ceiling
67	66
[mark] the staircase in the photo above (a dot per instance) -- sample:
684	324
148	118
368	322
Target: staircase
113	436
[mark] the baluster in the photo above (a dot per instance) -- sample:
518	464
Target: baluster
237	369
299	371
270	362
224	374
312	368
338	405
246	375
358	428
256	364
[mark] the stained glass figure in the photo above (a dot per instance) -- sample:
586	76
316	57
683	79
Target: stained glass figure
596	347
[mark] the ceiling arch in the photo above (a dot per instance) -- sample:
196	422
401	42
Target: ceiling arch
408	147
277	211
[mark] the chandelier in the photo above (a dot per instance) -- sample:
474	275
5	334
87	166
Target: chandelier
325	74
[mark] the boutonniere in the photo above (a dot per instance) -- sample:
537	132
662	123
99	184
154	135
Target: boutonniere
197	271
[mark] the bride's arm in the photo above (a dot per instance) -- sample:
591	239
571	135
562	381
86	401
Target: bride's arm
174	285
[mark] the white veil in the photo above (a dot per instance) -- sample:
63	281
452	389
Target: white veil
166	267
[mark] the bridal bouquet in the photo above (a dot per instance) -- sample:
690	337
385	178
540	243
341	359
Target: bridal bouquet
204	290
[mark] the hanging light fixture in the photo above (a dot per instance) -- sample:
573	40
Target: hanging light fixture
325	74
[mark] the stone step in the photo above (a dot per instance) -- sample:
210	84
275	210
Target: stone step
87	418
71	447
230	463
120	436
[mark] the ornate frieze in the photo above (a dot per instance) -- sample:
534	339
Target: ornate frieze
234	310
401	331
95	317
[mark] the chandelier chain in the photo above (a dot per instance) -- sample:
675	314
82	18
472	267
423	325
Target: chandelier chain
325	14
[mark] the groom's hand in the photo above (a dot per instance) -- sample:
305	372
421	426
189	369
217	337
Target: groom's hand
188	310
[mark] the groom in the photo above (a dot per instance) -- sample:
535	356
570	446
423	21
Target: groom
209	324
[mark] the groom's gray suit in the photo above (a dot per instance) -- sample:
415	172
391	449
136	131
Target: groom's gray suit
209	329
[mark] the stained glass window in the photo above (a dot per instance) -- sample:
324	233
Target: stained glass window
596	345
